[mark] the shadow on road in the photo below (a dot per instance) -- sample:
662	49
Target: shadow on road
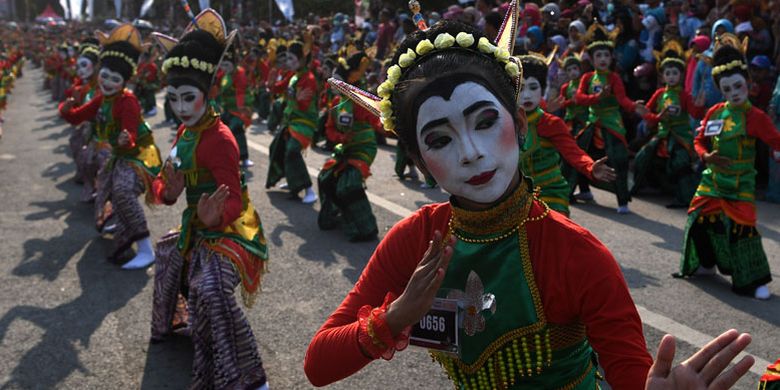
168	364
68	328
719	287
302	221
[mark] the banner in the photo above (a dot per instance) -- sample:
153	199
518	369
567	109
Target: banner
65	8
145	7
118	7
90	10
75	9
204	4
286	6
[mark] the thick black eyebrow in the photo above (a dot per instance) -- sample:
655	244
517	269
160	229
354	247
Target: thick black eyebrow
476	106
432	124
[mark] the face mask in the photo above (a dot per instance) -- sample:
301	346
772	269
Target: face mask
671	76
469	143
84	68
110	82
734	88
188	103
531	94
602	59
573	72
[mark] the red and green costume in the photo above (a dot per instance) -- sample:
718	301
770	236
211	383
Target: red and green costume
341	181
555	304
147	84
233	100
604	132
771	378
721	227
298	124
547	140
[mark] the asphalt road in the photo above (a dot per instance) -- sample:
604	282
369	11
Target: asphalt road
71	319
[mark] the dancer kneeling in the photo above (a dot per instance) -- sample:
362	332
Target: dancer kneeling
539	296
220	244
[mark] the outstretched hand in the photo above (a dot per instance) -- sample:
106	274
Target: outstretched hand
706	369
174	182
602	171
211	207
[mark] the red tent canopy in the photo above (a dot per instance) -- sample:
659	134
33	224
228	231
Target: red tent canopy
47	15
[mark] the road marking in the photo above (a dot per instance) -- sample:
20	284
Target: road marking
658	321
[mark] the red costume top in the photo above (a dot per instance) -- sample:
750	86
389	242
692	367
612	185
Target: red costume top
125	109
555	129
359	114
577	281
759	125
223	166
583	98
147	73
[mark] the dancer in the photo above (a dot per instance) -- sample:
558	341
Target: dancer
298	125
667	159
147	84
342	179
134	158
220	244
602	91
548	139
721	228
82	92
551	292
235	103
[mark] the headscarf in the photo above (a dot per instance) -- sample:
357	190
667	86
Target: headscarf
531	10
536	33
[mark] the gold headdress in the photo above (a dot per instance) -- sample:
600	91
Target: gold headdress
597	35
501	52
730	40
123	33
572	59
671	52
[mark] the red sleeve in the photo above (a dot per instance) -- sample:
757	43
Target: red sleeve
700	142
83	113
127	111
218	152
158	184
582	281
280	86
620	92
555	129
334	352
759	125
239	81
307	83
566	102
692	109
652	117
151	73
582	97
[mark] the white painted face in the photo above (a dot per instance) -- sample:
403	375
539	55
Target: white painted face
602	59
734	88
85	68
110	82
573	72
227	66
188	103
531	94
469	143
671	76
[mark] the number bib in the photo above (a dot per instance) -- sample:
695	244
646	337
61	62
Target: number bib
713	127
438	329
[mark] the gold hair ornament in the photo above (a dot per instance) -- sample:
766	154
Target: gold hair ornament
186	62
729	66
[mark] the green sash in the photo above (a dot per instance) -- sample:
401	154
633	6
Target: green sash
542	162
738	180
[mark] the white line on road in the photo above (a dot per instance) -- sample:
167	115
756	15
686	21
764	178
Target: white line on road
658	321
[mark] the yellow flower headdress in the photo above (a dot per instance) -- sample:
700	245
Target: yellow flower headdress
665	56
123	33
501	52
597	35
728	39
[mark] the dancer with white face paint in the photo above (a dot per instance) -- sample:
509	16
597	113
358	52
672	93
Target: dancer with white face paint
604	94
721	229
667	160
548	139
83	91
219	246
537	295
124	149
235	102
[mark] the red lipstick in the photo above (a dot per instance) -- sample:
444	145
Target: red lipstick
482	178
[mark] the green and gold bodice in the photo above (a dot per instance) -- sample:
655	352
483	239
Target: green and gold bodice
677	125
607	111
360	135
512	345
574	112
227	93
303	122
541	161
738	180
245	230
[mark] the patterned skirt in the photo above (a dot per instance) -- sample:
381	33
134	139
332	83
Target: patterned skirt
226	354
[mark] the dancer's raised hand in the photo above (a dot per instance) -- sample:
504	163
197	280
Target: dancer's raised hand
602	171
706	369
211	207
174	181
418	296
